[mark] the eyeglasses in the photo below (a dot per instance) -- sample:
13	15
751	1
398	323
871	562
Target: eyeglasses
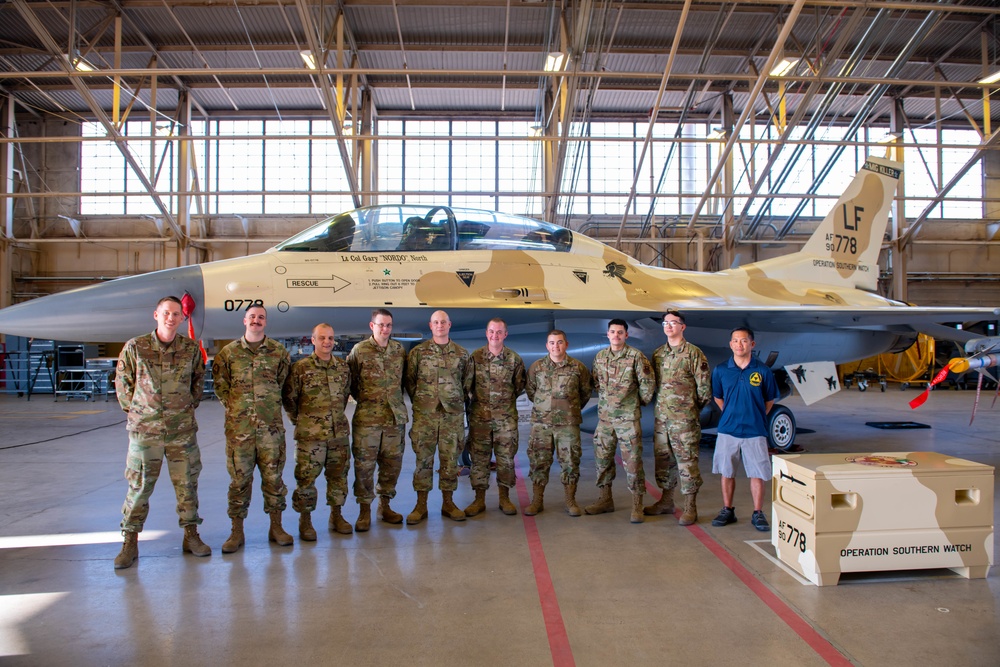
672	323
382	326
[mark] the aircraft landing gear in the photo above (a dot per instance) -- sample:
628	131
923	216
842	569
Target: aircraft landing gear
781	428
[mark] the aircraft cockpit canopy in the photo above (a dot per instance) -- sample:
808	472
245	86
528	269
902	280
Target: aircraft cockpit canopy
411	228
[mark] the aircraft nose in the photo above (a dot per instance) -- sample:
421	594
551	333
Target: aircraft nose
109	312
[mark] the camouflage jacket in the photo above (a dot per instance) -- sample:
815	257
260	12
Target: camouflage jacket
497	381
683	380
624	382
558	392
438	375
315	396
248	384
377	383
158	385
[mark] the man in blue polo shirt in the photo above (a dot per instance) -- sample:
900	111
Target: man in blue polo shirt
744	390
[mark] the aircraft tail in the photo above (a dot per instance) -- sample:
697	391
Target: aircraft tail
844	249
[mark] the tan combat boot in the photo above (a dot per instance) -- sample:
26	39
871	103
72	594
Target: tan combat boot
637	516
385	512
478	506
236	539
665	505
690	513
192	543
277	534
449	509
419	512
306	531
339	525
506	506
571	507
129	552
538	503
605	502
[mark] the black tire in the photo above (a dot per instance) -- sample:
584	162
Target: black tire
781	428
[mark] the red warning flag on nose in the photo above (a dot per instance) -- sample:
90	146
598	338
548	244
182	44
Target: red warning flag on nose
187	307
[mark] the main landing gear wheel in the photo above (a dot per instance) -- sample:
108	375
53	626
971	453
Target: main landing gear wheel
781	428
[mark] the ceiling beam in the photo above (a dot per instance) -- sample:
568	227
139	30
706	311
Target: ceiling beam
120	141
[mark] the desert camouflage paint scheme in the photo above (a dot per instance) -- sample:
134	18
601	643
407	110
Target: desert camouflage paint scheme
835	513
817	304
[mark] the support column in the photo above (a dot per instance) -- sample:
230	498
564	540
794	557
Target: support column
897	254
550	139
7	188
184	175
367	166
728	214
991	190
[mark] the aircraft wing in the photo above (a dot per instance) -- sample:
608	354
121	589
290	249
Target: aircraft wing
904	319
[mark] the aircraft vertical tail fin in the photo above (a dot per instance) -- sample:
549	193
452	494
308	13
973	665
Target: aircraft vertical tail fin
845	247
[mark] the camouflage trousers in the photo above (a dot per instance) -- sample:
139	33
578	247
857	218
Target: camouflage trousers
445	432
263	448
146	454
312	457
607	437
487	437
675	454
565	442
384	446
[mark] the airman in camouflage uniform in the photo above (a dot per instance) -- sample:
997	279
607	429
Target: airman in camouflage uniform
249	374
624	382
438	378
558	386
498	378
377	366
159	383
315	397
684	387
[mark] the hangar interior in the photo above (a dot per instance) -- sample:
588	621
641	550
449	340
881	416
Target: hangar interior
144	135
140	135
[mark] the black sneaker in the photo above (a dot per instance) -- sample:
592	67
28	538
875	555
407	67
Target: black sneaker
726	516
759	521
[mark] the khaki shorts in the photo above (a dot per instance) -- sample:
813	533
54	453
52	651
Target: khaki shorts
730	450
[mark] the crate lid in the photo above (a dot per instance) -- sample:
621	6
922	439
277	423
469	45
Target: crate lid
881	463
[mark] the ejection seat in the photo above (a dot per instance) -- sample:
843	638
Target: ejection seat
414	235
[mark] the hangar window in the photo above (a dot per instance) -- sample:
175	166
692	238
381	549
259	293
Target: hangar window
295	167
109	185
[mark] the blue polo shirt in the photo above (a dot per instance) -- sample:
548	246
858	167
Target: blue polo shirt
744	392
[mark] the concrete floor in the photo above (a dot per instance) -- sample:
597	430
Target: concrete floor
494	590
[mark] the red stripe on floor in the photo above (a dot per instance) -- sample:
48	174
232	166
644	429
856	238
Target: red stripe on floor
562	654
799	626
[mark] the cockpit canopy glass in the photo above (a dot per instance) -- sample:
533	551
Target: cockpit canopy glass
409	228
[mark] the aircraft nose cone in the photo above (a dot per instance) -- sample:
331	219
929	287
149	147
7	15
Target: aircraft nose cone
109	312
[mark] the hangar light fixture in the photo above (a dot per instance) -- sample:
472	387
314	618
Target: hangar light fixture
717	134
783	67
309	59
992	78
554	61
80	64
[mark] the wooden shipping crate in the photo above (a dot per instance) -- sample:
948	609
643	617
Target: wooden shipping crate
834	513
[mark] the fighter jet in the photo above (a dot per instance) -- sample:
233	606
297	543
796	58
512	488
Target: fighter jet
818	304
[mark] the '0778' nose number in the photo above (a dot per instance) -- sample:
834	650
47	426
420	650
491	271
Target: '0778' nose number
230	305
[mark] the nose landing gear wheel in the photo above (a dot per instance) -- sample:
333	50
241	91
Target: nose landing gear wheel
781	428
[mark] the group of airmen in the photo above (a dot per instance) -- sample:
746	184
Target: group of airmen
160	379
